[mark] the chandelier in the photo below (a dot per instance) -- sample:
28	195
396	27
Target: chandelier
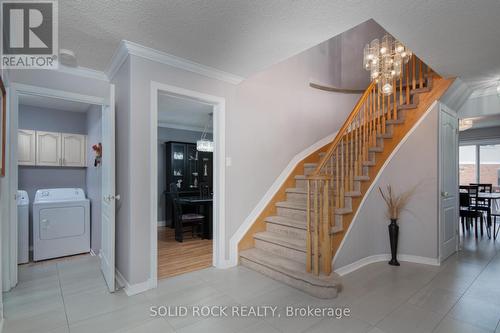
385	61
204	144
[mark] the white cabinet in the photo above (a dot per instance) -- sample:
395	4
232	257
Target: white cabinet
48	149
26	146
73	150
51	149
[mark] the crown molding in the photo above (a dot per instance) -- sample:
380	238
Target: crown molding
182	127
490	91
127	48
117	60
84	72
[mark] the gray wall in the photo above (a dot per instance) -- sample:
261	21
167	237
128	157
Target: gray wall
123	242
32	178
345	53
93	175
416	163
52	120
270	117
165	135
480	106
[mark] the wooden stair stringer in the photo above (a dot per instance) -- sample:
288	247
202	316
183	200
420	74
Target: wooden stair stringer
426	99
259	225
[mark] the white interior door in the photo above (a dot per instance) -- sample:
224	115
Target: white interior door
448	225
107	254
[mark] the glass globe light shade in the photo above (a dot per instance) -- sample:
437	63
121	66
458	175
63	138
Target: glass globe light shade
387	89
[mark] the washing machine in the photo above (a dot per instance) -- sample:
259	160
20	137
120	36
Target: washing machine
61	223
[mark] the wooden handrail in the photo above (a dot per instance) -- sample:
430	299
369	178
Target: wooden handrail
335	89
341	132
342	169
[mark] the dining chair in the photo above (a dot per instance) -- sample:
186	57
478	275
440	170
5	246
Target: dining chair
484	204
468	211
182	220
495	213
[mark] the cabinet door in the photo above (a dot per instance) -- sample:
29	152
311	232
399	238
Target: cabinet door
26	147
48	148
73	150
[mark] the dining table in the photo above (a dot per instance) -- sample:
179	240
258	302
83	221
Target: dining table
492	196
205	202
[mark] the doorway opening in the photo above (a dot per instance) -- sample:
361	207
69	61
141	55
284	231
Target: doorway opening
187	181
479	174
59	177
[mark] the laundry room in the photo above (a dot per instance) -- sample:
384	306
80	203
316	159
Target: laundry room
59	178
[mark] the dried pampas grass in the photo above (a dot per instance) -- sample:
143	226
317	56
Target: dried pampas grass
396	203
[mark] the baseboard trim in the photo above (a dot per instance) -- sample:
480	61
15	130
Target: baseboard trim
132	289
385	257
261	205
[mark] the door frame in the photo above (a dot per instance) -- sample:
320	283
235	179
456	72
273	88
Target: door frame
219	174
9	276
447	110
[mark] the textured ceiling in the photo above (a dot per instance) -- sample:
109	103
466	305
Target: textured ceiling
456	37
182	113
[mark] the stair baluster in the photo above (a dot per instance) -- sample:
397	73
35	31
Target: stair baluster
336	178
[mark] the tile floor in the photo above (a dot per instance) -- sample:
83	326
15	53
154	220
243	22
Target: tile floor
463	295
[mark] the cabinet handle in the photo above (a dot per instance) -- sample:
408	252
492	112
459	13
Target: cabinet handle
60	161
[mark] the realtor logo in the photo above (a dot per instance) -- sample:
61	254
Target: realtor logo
29	34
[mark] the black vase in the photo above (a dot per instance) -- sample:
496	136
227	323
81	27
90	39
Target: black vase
393	236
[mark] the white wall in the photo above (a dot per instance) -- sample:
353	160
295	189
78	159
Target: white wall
415	163
269	118
93	176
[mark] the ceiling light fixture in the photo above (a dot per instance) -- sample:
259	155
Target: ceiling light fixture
204	144
385	61
465	124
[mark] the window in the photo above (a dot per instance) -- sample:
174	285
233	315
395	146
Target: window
467	165
489	164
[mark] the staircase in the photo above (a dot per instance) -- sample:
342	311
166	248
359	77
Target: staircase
297	237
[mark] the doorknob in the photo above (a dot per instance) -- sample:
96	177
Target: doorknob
445	194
